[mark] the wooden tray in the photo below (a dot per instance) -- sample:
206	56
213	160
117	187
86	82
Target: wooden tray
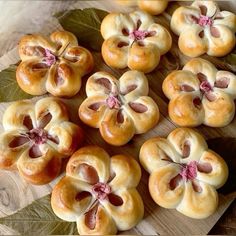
15	193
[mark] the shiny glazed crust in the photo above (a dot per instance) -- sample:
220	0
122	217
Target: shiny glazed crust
54	65
133	40
203	28
119	108
74	197
154	7
36	138
200	94
165	160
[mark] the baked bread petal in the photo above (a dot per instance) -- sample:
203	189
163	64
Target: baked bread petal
188	143
192	41
212	169
221	40
140	110
119	179
71	198
89	165
186	110
203	69
143	57
179	82
161	38
65	137
226	18
226	82
92	110
22	119
101	83
39	164
133	84
221	102
115	50
206	8
63	80
153	7
49	111
166	186
96	222
33	47
125	207
12	145
117	127
32	75
199	203
156	153
182	17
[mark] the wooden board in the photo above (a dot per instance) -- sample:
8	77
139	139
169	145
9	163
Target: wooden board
15	193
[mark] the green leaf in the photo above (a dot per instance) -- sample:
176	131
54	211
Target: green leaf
9	89
226	148
38	219
85	24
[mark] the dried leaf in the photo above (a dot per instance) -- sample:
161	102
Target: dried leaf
85	24
9	89
226	147
38	219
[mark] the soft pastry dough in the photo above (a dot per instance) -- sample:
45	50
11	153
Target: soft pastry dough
53	65
200	94
119	108
203	28
184	173
133	40
36	138
153	7
99	192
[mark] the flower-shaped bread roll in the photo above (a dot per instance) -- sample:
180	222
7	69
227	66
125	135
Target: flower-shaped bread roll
119	108
36	138
203	28
153	7
133	40
184	173
200	94
99	192
53	65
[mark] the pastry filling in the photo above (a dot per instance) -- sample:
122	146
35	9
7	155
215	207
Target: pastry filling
38	136
49	58
101	190
141	34
189	171
205	87
205	21
113	102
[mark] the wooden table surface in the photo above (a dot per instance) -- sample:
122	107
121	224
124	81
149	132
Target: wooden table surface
30	17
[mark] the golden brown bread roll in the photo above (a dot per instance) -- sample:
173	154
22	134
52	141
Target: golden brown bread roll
153	7
36	138
200	94
99	192
203	28
54	65
119	108
133	40
184	173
